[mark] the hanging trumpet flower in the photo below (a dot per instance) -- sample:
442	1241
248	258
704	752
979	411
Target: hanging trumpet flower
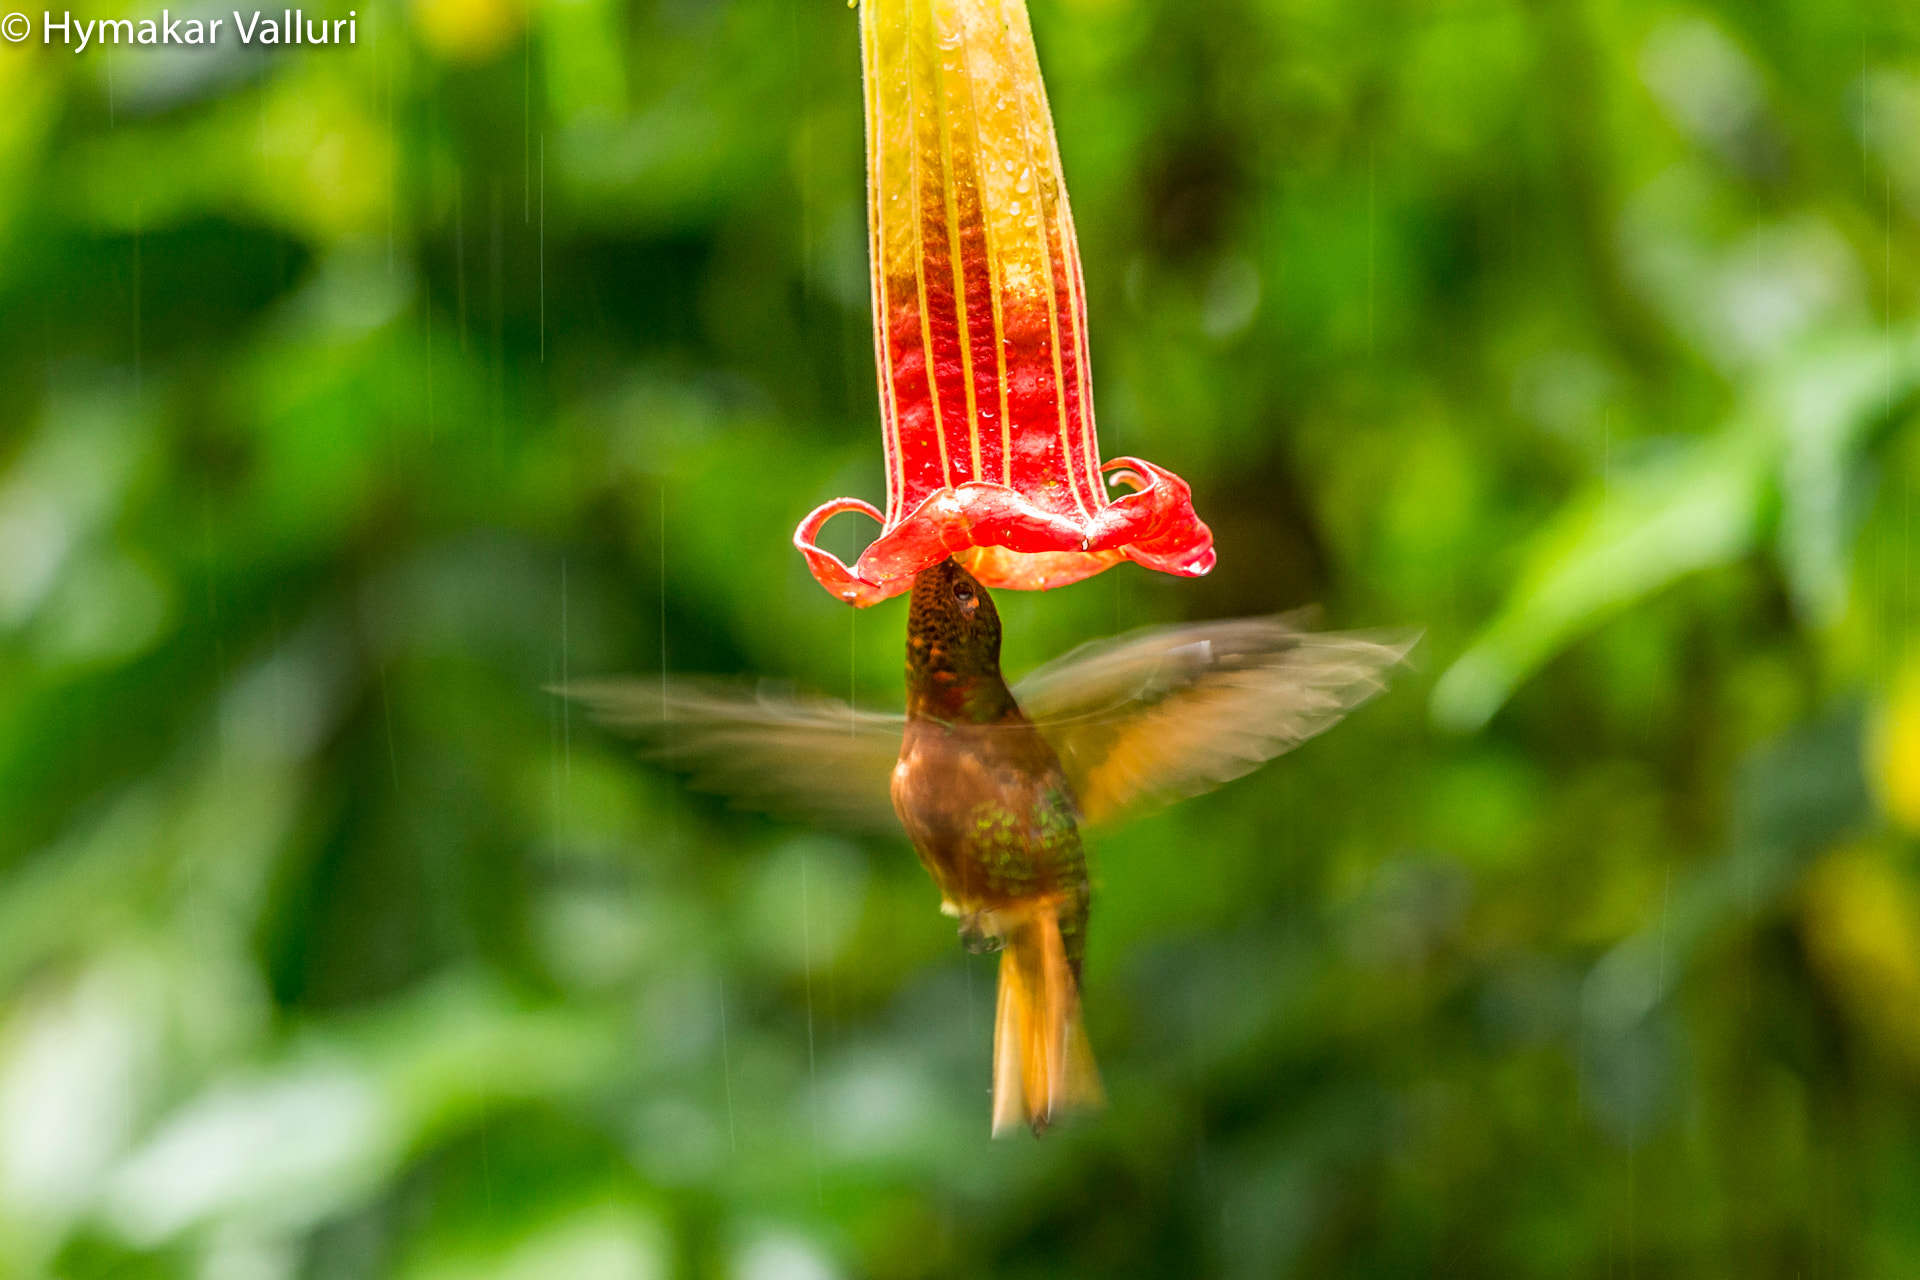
980	328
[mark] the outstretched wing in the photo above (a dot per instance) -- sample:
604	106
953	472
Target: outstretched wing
816	760
1160	714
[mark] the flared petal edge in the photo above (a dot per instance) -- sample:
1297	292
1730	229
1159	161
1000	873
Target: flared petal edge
1005	540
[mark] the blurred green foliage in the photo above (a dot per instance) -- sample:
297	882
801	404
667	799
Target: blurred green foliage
354	395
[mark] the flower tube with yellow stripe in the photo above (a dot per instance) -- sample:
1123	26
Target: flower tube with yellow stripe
980	328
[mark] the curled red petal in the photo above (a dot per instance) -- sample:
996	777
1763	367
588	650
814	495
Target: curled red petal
1160	529
1007	540
828	569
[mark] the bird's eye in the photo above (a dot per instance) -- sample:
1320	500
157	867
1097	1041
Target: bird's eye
964	595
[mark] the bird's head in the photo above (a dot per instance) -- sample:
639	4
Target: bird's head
953	630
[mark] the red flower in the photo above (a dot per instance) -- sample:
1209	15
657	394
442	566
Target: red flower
980	328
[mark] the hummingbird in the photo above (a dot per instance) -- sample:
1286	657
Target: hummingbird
993	783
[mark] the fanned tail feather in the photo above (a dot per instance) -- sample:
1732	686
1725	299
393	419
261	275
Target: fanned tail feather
1042	1063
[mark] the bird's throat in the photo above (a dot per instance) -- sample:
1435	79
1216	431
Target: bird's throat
935	693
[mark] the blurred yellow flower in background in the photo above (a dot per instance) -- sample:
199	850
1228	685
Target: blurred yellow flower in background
468	30
1895	749
1862	928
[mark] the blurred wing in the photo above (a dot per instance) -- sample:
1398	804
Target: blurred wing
1156	715
816	760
